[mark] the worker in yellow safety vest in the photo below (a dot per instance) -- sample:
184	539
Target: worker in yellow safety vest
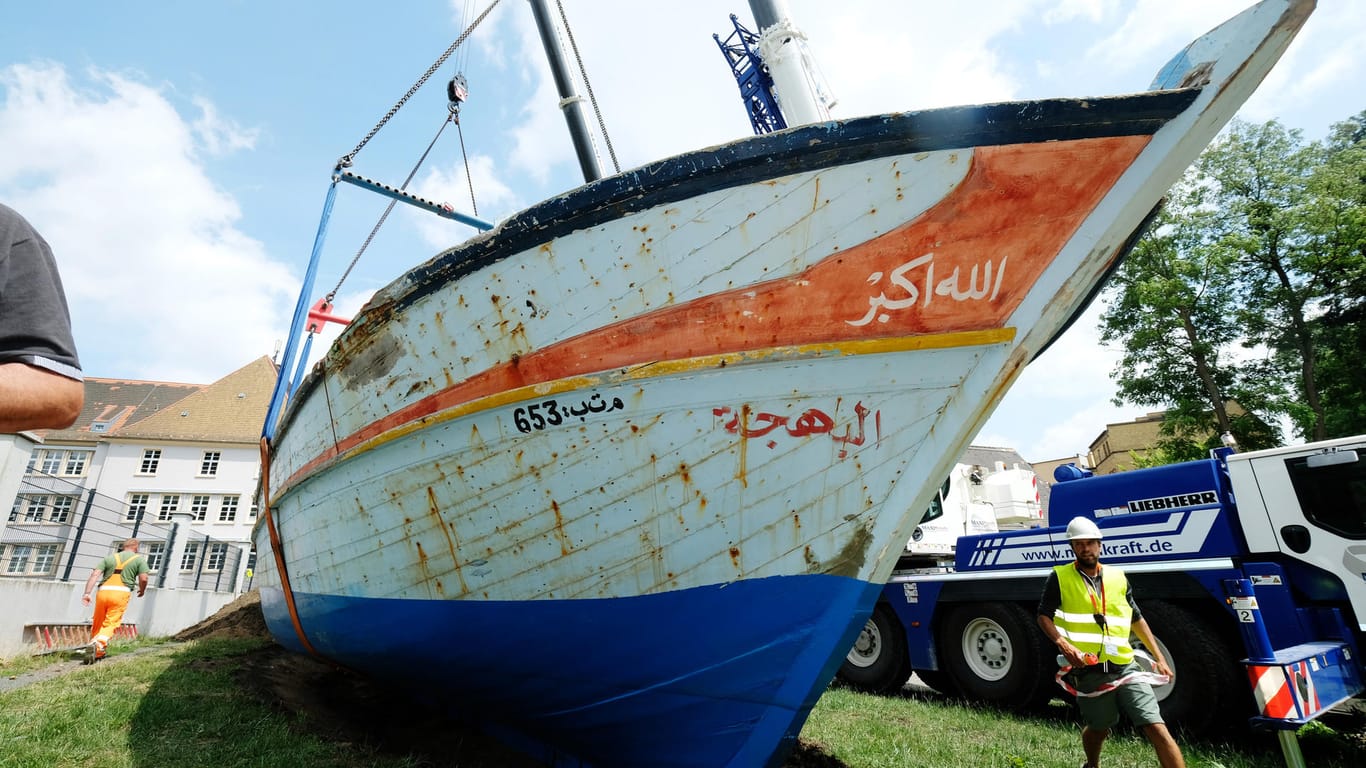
117	574
1088	612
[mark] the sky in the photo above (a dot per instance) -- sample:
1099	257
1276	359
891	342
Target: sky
177	155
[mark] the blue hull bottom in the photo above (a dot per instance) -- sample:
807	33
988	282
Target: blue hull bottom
710	676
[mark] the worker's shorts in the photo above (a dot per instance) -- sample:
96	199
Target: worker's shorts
1135	700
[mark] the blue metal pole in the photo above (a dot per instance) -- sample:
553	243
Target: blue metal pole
300	317
1243	599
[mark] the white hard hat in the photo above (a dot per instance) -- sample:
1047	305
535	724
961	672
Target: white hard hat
1082	528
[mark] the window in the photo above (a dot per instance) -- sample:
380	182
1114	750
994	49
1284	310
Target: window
18	559
32	462
137	506
14	510
33	510
254	511
150	458
75	463
44	559
228	512
218	554
1333	495
170	502
28	559
61	509
155	552
52	462
210	464
199	507
190	557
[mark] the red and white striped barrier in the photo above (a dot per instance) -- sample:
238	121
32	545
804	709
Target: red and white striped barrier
1285	691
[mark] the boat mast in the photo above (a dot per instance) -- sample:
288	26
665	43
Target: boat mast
799	86
570	102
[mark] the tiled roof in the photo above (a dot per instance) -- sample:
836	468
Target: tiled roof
987	456
112	404
231	409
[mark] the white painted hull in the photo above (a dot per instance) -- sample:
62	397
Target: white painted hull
751	365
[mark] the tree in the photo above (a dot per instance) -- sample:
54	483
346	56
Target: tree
1261	177
1336	223
1251	287
1173	307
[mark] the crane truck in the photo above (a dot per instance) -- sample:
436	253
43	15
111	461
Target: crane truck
1250	568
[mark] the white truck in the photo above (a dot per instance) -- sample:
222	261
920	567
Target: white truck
981	495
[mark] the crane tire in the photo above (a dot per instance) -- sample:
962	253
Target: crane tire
995	654
1209	691
878	662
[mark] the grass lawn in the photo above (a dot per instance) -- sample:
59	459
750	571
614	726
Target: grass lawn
204	703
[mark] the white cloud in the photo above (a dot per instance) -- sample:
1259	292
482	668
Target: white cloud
219	135
150	251
493	200
1156	29
1061	401
1067	10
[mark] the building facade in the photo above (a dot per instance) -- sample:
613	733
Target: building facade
174	465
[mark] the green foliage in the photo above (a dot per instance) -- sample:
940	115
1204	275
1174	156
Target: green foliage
1250	287
1156	457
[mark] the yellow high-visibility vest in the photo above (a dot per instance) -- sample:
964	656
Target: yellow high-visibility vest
1075	617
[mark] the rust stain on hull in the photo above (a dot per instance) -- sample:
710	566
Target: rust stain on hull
440	522
852	556
559	528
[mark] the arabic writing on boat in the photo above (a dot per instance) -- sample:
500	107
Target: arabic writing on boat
812	421
880	306
550	413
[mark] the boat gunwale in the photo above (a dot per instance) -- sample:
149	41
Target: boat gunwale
755	159
795	150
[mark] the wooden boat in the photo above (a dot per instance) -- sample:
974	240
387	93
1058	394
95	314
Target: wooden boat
624	476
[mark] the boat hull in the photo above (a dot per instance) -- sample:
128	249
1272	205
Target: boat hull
570	672
624	475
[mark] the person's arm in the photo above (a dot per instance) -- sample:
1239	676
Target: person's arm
142	584
1074	657
90	584
1145	633
1048	605
37	399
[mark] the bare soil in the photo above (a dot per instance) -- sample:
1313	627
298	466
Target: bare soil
340	706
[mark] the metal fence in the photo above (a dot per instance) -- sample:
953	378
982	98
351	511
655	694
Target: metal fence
57	529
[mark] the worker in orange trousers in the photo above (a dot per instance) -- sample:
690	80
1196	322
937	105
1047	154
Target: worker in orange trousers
117	574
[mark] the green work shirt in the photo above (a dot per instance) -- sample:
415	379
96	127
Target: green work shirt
131	569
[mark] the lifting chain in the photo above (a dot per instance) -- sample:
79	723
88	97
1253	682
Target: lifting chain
602	126
387	210
348	158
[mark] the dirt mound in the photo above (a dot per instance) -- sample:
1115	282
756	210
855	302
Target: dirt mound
240	618
339	706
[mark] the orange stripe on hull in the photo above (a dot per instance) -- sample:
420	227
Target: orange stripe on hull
963	265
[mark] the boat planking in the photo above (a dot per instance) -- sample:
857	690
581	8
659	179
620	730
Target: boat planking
622	478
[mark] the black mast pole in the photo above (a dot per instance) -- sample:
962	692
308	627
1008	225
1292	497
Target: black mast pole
570	102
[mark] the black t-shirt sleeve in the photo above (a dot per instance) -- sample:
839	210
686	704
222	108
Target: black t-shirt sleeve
35	323
1052	596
